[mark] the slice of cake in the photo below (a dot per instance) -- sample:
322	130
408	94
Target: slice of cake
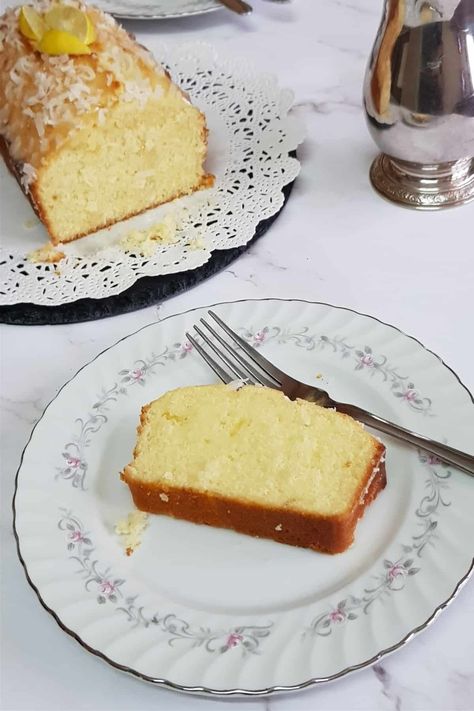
254	461
93	128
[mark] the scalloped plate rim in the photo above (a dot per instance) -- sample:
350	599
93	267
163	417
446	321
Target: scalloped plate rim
237	692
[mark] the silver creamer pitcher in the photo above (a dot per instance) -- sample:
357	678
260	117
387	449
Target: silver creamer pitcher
419	102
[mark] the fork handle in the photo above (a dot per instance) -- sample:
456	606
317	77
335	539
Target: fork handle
446	454
238	6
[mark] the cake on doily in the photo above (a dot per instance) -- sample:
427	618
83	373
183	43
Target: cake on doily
92	127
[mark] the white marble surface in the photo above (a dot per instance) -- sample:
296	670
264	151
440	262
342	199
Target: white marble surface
336	242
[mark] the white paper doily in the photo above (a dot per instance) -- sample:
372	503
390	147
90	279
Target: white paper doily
250	137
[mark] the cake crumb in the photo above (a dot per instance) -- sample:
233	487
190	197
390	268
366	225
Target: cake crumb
319	376
145	241
279	527
46	254
164	497
131	528
197	243
237	384
30	223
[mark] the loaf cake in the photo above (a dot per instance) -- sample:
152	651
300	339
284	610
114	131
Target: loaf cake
92	127
252	460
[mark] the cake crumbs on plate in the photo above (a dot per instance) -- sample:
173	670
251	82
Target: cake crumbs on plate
145	241
196	244
130	529
237	384
47	254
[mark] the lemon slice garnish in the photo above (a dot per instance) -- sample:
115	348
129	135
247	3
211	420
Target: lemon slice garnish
59	42
65	18
31	23
91	35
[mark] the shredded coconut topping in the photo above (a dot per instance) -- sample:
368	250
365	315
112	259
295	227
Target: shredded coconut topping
28	176
45	98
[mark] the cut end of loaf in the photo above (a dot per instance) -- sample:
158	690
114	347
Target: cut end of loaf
139	159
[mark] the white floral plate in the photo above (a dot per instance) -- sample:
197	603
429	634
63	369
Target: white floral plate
147	9
211	611
157	9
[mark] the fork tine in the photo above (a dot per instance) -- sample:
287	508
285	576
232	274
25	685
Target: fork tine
232	366
256	375
257	357
218	370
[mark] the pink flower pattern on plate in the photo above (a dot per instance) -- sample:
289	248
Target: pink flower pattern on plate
73	462
337	615
396	571
76	536
365	358
107	588
233	640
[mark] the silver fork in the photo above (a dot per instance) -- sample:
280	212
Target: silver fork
246	363
238	6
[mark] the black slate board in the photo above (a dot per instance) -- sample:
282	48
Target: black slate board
145	291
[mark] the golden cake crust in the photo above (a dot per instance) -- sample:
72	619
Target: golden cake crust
329	534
